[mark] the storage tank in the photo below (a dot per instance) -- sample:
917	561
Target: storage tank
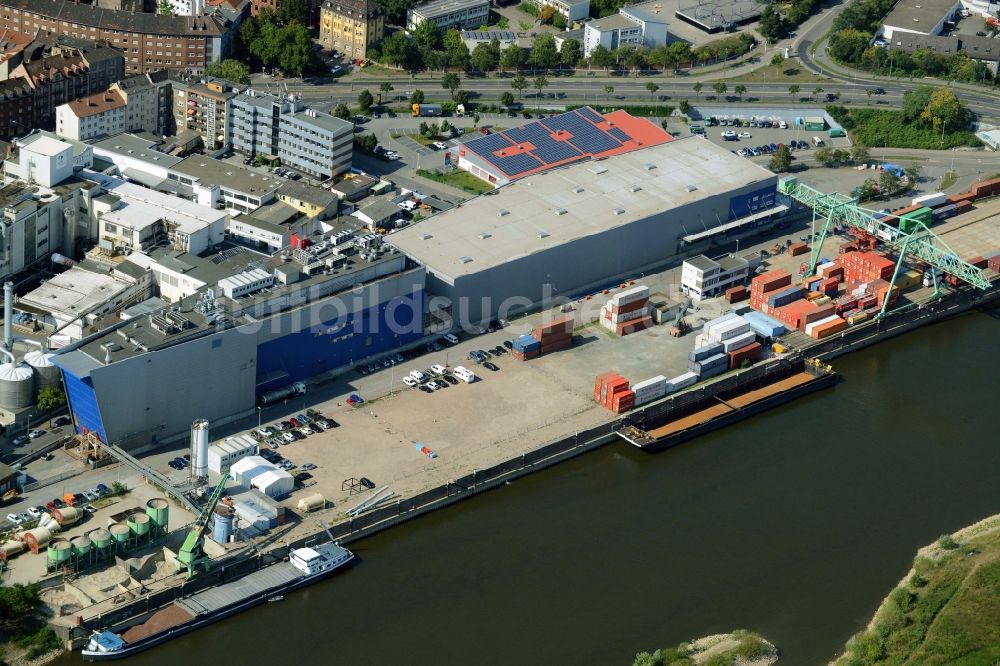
138	523
59	551
17	386
312	503
101	538
222	526
82	546
68	515
36	539
199	448
47	375
120	533
10	549
158	510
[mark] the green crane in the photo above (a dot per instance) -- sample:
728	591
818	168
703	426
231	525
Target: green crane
913	237
192	554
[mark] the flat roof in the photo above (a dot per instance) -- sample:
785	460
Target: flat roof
321	120
919	15
550	209
74	292
441	7
44	145
187	215
490	35
275	213
701	262
135	147
648	11
310	194
211	171
613	22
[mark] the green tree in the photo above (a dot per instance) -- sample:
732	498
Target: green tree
50	398
848	45
445	126
507	99
475	119
869	190
741	89
859	154
451	82
458	52
777	59
816	92
824	156
635	59
386	88
19	605
915	101
781	160
484	58
423	128
512	56
397	50
609	90
365	101
652	88
164	8
684	107
539	83
602	57
697	87
396	9
944	111
571	53
720	88
417	97
771	24
503	23
427	35
544	54
888	182
230	70
794	89
296	50
342	112
294	11
912	173
519	83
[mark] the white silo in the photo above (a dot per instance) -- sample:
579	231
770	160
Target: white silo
199	448
17	386
47	374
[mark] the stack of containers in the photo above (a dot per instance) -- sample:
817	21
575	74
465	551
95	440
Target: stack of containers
828	286
785	296
650	389
703	352
611	390
820	312
834	269
750	352
931	200
880	288
628	311
993	261
986	188
765	284
764	326
792	314
826	327
710	366
866	266
526	347
845	303
555	335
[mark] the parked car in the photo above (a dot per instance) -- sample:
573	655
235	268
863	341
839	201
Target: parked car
35	512
367	483
745	135
15	518
490	366
451	380
438	370
20	440
508	344
35	434
424	388
288	437
90	495
294	423
304	420
410	381
326	424
103	489
62	420
307	466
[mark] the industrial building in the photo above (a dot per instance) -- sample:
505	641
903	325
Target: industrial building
142	381
461	14
222	456
717	15
557	233
922	17
550	142
702	277
637	25
219	184
253	472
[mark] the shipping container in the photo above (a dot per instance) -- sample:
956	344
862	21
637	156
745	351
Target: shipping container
740	341
623	317
812	326
734	294
681	381
630	295
640	304
944	212
561	325
857	318
795	249
829	328
750	352
993	262
930	200
729	330
708	373
962	207
718	321
964	197
785	296
599	383
770	281
525	343
634	326
765	326
822	311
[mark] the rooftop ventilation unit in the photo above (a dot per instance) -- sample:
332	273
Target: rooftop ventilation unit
465	260
504	211
619	211
650	166
598	170
691	188
560	211
578	189
426	237
635	188
543	234
484	236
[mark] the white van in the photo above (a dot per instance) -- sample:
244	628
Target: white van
817	142
451	339
464	374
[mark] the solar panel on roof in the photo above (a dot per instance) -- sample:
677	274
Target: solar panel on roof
590	114
490	143
516	164
618	134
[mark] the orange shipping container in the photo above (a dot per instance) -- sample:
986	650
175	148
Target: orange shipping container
825	330
770	281
821	312
737	357
795	249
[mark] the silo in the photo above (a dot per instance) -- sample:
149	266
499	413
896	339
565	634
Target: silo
101	538
199	448
17	386
120	533
158	510
138	523
312	503
67	515
222	527
59	552
47	375
9	549
81	546
36	539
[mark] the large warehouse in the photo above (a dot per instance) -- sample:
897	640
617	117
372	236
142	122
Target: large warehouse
565	230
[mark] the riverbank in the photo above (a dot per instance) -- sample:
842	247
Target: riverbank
945	609
737	648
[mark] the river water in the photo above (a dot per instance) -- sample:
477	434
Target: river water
794	524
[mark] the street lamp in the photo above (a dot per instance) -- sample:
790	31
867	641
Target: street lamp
259	408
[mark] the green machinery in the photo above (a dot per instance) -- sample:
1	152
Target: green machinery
192	554
913	238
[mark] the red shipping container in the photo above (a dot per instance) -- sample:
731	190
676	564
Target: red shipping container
555	346
634	326
821	312
994	262
829	328
734	294
964	197
845	304
867	301
561	325
795	249
600	382
963	206
978	262
628	307
828	285
770	281
737	357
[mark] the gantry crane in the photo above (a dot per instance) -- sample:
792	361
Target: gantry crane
918	241
192	554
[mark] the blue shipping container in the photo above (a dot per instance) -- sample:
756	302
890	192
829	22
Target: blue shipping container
713	371
526	343
785	297
763	325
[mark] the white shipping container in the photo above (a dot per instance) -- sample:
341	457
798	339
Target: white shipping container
860	290
813	325
681	381
630	295
729	330
629	316
651	392
930	200
700	341
652	381
709	325
740	341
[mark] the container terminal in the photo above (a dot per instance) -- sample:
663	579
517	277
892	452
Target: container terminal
595	302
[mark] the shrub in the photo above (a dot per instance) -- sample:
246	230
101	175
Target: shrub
947	542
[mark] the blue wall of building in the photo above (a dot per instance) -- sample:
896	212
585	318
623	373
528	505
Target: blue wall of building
340	341
83	404
747	204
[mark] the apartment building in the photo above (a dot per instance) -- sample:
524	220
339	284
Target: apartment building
149	99
203	106
91	117
351	26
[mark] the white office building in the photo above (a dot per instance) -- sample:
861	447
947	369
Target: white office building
461	14
639	25
702	277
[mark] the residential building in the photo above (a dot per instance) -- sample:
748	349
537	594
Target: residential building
127	5
461	14
222	185
473	38
984	49
91	117
355	188
149	41
316	202
702	277
149	99
572	10
204	108
637	25
310	141
567	35
351	26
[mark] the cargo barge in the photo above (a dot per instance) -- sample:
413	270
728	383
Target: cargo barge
718	411
304	567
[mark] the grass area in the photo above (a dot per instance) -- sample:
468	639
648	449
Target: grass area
879	127
947	611
740	646
463	180
949	179
789	72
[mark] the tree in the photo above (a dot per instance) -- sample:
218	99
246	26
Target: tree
944	111
519	83
451	82
635	58
652	88
423	128
697	88
50	398
396	9
793	89
602	57
507	99
462	96
912	173
386	88
342	112
888	182
771	24
475	119
427	35
365	101
539	83
664	123
777	59
544	54
684	106
546	13
458	52
849	45
164	8
868	190
18	606
417	97
609	90
816	91
294	11
781	160
720	88
512	56
230	70
859	154
571	53
741	89
296	50
824	156
484	58
397	49
445	126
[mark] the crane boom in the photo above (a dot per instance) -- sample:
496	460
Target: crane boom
191	554
921	243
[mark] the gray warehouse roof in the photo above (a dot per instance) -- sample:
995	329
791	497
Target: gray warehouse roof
552	208
435	8
216	172
919	15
